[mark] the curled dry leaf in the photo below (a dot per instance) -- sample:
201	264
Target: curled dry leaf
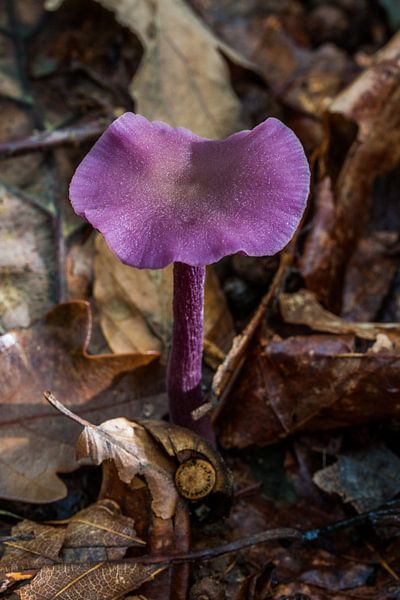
99	581
136	305
303	308
154	450
134	452
310	383
35	442
366	116
169	458
199	462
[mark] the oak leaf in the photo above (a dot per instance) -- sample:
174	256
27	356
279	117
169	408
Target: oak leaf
36	442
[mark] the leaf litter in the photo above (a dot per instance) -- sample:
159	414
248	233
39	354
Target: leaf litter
309	387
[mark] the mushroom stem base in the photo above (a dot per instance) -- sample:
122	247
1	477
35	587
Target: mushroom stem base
184	369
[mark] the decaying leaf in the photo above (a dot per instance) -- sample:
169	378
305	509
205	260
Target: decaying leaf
369	275
43	549
27	262
303	308
99	581
310	383
364	478
305	80
183	78
136	305
35	442
99	532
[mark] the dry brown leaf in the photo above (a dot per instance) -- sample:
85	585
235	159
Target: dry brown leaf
97	533
172	460
43	549
100	581
369	275
310	383
35	441
182	444
364	100
303	308
183	78
136	305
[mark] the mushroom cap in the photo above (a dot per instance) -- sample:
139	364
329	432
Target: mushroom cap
160	194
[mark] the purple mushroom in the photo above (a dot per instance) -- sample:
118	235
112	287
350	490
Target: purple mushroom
162	195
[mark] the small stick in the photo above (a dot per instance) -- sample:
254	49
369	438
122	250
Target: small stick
228	370
47	140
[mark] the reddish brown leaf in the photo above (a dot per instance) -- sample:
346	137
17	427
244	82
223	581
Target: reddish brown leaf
309	383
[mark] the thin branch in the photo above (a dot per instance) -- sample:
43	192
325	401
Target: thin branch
48	140
229	369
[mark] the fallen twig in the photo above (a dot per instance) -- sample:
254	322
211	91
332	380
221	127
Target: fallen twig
47	140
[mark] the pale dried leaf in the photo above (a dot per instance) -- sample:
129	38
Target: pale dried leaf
136	305
134	452
183	78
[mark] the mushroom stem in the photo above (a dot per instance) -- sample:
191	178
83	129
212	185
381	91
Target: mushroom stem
184	369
